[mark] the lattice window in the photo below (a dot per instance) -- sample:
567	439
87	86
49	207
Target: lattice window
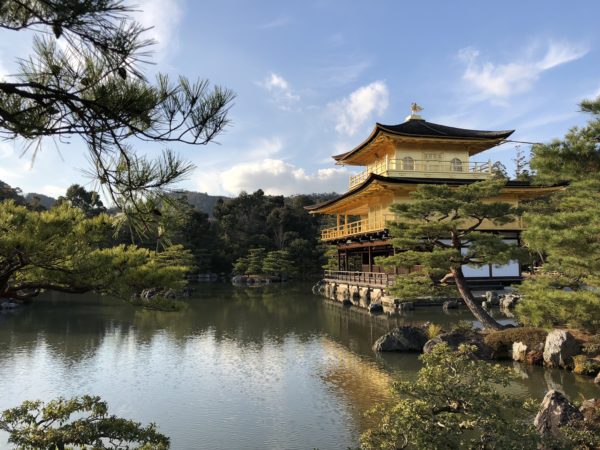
456	165
408	163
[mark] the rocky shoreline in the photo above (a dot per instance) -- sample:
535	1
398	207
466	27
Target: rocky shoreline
554	349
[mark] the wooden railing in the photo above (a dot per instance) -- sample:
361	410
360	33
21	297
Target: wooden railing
377	279
402	167
354	228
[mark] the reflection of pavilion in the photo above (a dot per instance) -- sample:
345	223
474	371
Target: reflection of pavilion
360	381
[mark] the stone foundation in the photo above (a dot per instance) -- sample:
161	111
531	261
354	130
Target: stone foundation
361	296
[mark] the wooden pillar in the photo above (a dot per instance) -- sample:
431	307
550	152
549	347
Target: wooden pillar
370	260
338	221
346	222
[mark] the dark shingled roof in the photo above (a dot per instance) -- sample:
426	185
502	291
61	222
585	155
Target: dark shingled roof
422	128
397	180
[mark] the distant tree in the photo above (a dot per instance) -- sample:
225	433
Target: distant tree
331	258
88	201
241	266
499	170
9	193
440	231
63	250
563	229
256	258
76	423
521	165
455	402
84	80
269	222
278	263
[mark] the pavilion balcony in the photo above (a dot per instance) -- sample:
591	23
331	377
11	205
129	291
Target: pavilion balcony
351	229
409	167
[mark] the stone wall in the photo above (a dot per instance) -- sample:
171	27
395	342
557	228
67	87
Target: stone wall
361	296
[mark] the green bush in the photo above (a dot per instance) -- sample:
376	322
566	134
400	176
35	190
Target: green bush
502	341
585	365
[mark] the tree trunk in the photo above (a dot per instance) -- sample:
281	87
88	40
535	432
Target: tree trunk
487	321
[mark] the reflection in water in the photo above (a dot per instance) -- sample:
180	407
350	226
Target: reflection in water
270	367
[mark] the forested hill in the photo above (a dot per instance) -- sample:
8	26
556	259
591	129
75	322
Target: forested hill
201	201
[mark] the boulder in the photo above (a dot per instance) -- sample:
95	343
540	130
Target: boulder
559	349
402	339
509	301
455	338
519	352
597	379
535	357
591	410
375	308
347	302
555	412
450	304
492	298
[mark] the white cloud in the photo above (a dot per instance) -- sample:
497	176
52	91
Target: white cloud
497	82
274	177
281	92
352	112
265	148
162	17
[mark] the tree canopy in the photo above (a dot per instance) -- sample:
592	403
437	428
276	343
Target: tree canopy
455	402
84	79
439	231
80	421
563	230
63	250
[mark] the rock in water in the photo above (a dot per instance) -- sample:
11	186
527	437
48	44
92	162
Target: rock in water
455	338
519	352
555	412
375	308
402	339
450	304
560	348
492	298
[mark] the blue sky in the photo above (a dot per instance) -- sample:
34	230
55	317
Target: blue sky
313	77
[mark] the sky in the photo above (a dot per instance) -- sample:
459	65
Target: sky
312	78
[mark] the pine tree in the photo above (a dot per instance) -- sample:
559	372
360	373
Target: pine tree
83	82
278	263
256	257
564	230
63	250
521	165
439	231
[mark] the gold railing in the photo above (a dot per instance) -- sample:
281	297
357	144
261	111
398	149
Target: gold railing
403	167
355	228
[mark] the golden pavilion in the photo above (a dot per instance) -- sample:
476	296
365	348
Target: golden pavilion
396	159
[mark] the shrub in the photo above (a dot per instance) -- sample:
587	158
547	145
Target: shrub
501	341
463	326
434	330
585	365
592	346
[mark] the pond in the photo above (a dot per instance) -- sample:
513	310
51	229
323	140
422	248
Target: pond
271	367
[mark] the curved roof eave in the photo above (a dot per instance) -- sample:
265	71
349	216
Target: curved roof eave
393	180
437	132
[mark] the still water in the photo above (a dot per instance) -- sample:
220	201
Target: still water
272	367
